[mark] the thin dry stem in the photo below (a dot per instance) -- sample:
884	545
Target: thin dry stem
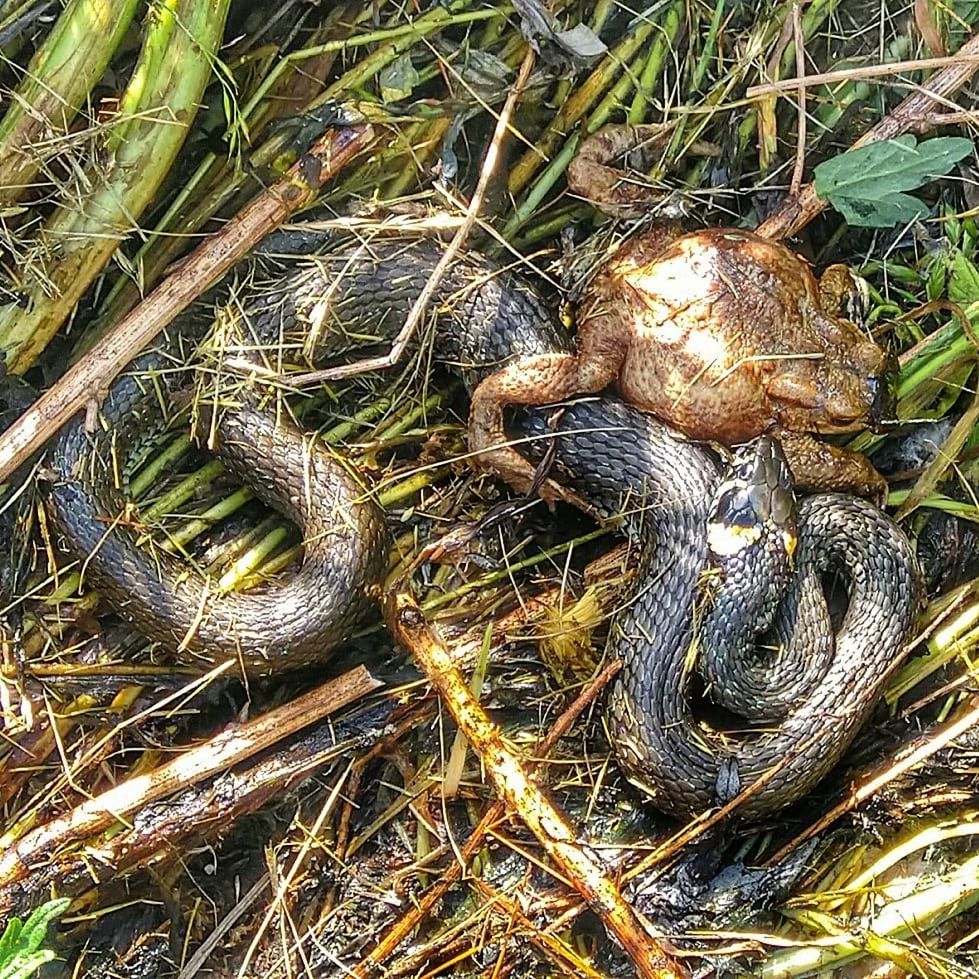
420	305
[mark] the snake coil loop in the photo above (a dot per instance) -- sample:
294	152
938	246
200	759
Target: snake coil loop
607	452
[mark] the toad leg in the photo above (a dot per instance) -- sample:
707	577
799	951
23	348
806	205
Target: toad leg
537	380
818	466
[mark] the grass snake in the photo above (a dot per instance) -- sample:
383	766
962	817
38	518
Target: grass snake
619	460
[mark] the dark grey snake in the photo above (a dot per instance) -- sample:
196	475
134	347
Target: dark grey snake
614	456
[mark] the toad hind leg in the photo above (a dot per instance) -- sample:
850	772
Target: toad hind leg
537	380
818	466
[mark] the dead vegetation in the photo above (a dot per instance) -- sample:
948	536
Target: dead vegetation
309	826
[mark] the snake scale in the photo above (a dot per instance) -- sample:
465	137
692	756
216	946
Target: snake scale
614	456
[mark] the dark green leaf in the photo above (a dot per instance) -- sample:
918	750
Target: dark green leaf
895	209
867	185
398	80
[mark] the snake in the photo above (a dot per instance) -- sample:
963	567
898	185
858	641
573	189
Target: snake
629	467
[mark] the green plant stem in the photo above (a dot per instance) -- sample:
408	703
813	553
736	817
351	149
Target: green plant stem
528	207
552	225
574	109
155	114
185	490
949	895
221	510
392	42
163	462
213	186
252	558
852	93
814	16
599	15
710	46
655	63
494	577
56	83
651	64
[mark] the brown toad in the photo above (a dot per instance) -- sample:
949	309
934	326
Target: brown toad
724	335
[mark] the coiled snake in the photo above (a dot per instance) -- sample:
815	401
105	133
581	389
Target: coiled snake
610	454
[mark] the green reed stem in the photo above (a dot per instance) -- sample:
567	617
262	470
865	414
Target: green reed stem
55	86
155	114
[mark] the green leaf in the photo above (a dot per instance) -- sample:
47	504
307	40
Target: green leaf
895	209
25	966
21	954
867	185
398	80
963	281
10	939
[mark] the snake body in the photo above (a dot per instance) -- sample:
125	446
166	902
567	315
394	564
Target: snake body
752	535
614	456
290	623
298	620
666	488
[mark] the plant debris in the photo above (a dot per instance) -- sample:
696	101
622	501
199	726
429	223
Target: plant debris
376	835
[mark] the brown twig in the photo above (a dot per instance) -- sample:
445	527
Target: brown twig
968	59
928	29
206	808
413	918
227	748
799	39
563	956
206	264
519	790
936	120
798	211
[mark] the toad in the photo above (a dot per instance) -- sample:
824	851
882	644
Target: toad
721	333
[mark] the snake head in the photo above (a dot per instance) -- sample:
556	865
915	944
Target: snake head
754	499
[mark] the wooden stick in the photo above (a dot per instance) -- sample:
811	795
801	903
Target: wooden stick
227	748
206	807
514	785
408	922
207	263
856	74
